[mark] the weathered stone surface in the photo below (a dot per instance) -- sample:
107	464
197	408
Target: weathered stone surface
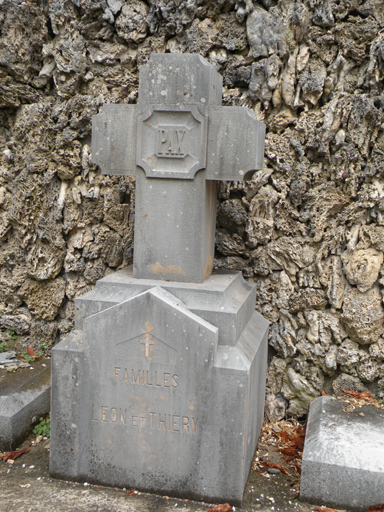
131	24
261	216
315	83
43	298
265	34
299	391
363	315
25	397
362	267
331	275
170	382
348	382
308	298
348	355
376	350
275	408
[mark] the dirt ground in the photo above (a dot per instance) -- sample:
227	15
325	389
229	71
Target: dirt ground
25	484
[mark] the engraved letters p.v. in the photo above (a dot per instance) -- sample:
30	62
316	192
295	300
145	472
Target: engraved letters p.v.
171	141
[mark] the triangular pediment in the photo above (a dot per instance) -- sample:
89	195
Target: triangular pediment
154	327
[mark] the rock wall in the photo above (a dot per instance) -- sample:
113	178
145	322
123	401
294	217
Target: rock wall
309	227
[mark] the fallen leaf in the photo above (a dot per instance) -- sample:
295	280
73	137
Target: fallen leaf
284	436
14	455
364	395
31	352
289	450
376	508
226	507
277	466
132	491
297	442
298	469
324	393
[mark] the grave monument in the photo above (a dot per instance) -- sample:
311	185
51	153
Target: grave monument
343	455
161	384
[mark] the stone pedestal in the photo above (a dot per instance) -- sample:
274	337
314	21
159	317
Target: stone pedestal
343	455
24	398
161	387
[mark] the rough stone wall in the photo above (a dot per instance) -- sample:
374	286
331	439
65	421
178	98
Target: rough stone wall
309	228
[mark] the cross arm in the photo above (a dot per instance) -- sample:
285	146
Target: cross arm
235	143
114	139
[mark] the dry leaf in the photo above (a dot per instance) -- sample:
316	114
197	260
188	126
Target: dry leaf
364	395
289	450
284	436
277	466
14	455
297	442
376	508
132	491
226	507
31	352
323	393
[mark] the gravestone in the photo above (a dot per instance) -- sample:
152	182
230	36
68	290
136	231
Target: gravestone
161	384
343	455
24	398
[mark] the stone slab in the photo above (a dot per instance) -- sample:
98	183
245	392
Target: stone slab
24	397
343	459
145	395
224	299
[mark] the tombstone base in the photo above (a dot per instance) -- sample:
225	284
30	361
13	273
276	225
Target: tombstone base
161	387
25	396
343	455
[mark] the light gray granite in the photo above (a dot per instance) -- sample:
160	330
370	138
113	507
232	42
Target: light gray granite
343	459
151	395
24	397
161	385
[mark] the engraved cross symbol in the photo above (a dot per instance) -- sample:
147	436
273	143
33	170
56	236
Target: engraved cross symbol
148	343
178	141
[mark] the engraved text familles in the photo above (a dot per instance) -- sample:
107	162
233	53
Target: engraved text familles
145	377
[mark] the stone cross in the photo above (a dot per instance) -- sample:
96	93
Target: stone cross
177	141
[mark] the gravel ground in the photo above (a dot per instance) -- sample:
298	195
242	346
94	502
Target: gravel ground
25	486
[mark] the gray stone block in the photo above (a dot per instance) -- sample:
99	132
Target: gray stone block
153	398
343	459
175	79
189	215
24	397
